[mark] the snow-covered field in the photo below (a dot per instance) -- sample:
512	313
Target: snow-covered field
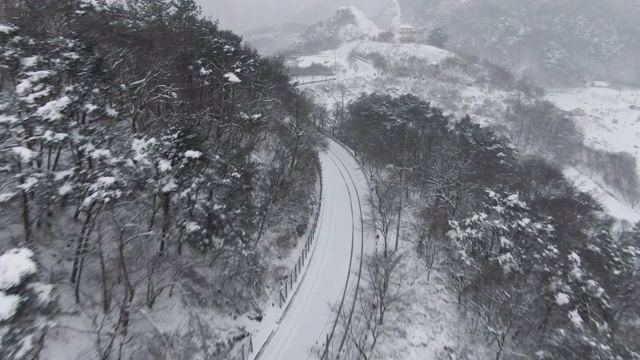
455	92
610	118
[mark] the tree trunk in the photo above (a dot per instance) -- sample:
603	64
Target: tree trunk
106	296
152	221
180	240
80	247
166	222
81	250
26	222
125	310
263	220
78	278
55	161
400	207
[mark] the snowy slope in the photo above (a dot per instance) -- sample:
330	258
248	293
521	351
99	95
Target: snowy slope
609	118
336	256
427	54
340	60
348	24
612	206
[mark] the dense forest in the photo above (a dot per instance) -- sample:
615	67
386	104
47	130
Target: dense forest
532	123
145	155
532	260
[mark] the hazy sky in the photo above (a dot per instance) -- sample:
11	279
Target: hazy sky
244	15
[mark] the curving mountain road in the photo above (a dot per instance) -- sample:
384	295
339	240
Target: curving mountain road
335	264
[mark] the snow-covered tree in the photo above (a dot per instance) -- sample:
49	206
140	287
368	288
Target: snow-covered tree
149	138
23	301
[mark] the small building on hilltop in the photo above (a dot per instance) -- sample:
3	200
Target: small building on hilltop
407	33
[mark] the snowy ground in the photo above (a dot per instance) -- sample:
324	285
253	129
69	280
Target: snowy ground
340	60
427	324
426	54
610	118
349	67
612	206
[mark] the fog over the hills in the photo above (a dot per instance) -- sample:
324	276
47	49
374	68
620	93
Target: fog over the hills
245	15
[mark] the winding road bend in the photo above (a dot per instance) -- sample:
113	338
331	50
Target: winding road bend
334	265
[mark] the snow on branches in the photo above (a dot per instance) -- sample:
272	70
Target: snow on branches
502	234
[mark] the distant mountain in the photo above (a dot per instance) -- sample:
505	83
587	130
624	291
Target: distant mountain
244	16
273	28
273	39
323	9
559	42
346	25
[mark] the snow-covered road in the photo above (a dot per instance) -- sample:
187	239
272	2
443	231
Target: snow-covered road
334	265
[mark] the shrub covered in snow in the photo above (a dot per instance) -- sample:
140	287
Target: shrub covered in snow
22	300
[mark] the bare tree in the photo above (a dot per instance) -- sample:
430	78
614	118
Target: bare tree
380	291
383	205
428	240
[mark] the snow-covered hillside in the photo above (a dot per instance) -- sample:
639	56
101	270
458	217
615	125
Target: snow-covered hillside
609	118
394	52
611	204
346	25
452	89
390	16
362	26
